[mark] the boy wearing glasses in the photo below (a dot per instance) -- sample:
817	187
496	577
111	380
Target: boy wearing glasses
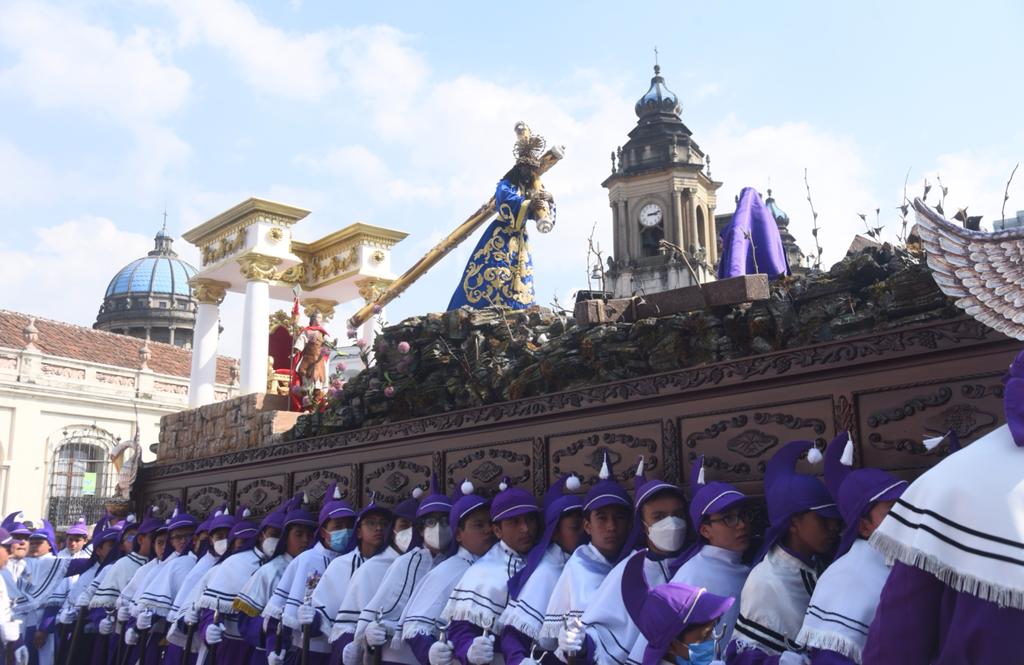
722	517
379	619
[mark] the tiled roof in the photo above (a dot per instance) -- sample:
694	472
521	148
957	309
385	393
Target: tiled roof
66	340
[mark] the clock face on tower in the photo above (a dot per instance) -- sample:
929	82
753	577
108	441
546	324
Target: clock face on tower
650	215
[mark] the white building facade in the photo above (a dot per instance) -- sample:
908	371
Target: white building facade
68	396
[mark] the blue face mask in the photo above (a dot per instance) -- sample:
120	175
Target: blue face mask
340	538
701	653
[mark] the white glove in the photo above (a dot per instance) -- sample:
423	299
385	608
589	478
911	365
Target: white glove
131	637
306	614
376	634
352	654
570	640
441	653
214	633
106	626
275	658
123	614
66	616
21	655
793	658
190	616
145	620
717	662
10	630
481	651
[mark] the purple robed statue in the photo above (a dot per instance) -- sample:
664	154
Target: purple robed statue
751	242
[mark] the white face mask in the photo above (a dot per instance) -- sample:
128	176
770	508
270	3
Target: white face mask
269	545
668	534
437	537
403	538
220	546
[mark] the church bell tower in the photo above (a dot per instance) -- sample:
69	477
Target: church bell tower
660	189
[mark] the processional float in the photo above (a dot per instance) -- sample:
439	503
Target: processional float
526	143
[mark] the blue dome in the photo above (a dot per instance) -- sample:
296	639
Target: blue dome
152	274
161	271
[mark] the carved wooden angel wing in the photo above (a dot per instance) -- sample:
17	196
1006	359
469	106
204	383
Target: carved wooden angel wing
983	271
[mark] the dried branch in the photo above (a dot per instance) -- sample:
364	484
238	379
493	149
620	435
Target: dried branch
1006	193
945	190
676	249
814	221
904	210
753	250
594	249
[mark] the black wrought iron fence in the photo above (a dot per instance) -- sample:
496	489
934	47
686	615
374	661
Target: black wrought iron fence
64	511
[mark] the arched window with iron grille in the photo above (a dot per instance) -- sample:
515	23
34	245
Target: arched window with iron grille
81	478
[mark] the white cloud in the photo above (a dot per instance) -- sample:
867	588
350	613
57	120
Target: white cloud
65	273
63	61
358	165
271	60
22	178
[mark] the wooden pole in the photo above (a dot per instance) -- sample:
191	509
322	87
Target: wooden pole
463	231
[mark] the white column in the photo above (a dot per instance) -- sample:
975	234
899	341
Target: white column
255	337
204	356
258	270
210	294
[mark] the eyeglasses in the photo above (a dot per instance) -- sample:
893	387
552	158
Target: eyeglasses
732	520
434	521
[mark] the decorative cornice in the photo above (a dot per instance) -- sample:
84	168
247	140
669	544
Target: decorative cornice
244	214
208	291
958	334
258	268
371	288
325	308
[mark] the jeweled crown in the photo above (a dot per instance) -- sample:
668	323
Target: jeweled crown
529	146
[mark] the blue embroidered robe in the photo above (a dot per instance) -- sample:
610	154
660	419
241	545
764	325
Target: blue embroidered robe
500	272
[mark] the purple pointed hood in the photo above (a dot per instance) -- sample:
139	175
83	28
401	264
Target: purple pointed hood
665	611
296	516
80	528
221	519
371	507
15	525
511	501
435	501
407	507
556	504
751	242
244	529
855	490
465	504
789	493
643	490
606	491
275	518
1013	399
708	499
713	497
334	506
150	522
46	532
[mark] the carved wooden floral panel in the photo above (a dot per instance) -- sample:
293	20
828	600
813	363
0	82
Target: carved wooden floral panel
894	422
316	481
583	451
260	495
393	480
486	466
737	444
202	500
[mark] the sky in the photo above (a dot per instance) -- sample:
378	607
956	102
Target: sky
400	115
